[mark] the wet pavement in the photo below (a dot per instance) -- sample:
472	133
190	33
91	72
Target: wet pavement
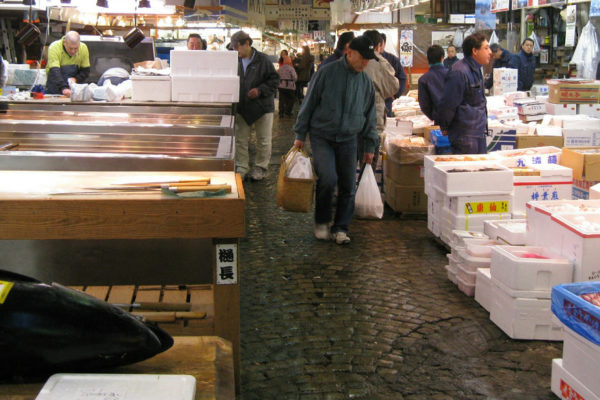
376	319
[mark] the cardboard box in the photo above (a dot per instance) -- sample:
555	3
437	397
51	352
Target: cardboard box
565	91
526	141
582	189
592	110
501	137
581	137
405	198
404	174
584	162
561	109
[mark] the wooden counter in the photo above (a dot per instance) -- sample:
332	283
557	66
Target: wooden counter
33	205
209	359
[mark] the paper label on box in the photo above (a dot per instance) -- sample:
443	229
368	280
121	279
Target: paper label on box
487	207
227	264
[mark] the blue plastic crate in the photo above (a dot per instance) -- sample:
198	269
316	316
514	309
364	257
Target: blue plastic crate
438	139
578	314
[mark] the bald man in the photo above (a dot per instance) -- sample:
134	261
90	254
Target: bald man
68	61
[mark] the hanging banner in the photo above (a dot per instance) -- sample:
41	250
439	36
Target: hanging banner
516	4
406	48
484	18
500	5
571	25
595	8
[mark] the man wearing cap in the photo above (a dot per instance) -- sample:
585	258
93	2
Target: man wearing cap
68	62
337	112
258	85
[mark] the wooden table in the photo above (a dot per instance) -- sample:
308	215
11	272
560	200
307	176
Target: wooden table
31	208
209	359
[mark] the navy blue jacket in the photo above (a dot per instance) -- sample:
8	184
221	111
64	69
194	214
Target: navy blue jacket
431	87
337	54
525	63
502	62
462	109
449	62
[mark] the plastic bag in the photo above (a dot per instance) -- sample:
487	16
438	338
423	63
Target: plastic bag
536	43
587	54
458	38
299	166
494	38
367	202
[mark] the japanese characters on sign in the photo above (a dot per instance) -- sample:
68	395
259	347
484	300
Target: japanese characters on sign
486	207
227	270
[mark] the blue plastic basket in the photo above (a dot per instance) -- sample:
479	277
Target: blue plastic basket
578	314
438	139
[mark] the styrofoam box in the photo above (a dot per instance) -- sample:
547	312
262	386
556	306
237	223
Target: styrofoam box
595	192
566	386
575	121
150	88
479	247
118	386
579	244
473	182
512	232
519	273
451	274
582	359
522	318
471	263
433	218
561	109
592	110
204	63
213	90
582	137
483	288
466	275
522	294
530	156
555	182
539	222
465	287
430	160
478	204
450	221
458	237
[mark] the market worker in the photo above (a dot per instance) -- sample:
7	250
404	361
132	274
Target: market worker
431	84
524	61
398	72
68	62
258	84
339	109
451	59
501	59
340	49
462	111
195	42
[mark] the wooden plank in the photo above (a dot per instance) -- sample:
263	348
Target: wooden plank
99	292
202	299
172	294
80	288
148	293
121	294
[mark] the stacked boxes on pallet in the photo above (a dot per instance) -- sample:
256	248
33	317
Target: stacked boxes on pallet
204	76
577	306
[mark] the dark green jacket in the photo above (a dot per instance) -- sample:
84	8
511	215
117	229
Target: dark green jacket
339	106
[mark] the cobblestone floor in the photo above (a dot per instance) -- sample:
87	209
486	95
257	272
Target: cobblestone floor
377	319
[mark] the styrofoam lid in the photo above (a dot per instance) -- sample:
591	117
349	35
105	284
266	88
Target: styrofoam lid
118	386
150	77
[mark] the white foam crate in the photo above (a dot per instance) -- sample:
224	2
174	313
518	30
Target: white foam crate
465	287
490	228
561	109
530	156
480	204
575	121
595	192
150	88
513	232
458	237
481	248
522	318
578	244
566	386
204	63
213	90
450	222
516	272
582	359
471	263
451	274
555	182
592	110
430	160
118	386
522	294
473	182
483	288
433	217
466	275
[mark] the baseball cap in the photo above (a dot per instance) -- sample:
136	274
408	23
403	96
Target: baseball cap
238	38
364	46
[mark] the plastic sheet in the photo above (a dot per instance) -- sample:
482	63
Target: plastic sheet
587	53
403	149
578	314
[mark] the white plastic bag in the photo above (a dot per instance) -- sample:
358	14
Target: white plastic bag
458	38
299	166
494	38
536	43
587	54
367	202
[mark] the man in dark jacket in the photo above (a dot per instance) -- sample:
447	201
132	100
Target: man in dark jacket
431	84
451	59
258	84
524	61
340	49
398	73
501	59
462	110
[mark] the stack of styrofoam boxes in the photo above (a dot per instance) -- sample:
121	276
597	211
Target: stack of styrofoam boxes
503	113
509	98
474	256
505	80
457	242
530	109
471	192
575	376
578	130
512	232
592	110
205	76
522	278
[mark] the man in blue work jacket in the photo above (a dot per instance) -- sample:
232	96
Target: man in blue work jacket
524	61
502	58
462	110
338	110
431	84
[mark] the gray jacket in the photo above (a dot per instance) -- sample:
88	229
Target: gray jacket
260	74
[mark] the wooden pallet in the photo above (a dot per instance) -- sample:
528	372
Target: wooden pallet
196	319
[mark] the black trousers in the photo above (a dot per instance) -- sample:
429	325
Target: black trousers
286	101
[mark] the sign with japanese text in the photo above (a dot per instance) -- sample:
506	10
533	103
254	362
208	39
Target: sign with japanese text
487	207
500	5
227	262
406	48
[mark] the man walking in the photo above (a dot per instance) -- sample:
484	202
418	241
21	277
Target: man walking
339	110
258	84
398	72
